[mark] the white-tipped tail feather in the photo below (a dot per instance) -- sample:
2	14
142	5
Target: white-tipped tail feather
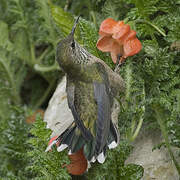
112	145
50	146
93	159
69	153
101	158
89	165
62	147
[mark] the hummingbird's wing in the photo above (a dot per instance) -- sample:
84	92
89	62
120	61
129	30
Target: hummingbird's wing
103	100
70	89
103	115
91	109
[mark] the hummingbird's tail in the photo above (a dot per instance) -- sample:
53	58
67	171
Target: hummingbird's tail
73	139
112	142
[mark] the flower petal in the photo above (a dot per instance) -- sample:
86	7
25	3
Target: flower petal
105	43
107	26
132	47
118	39
122	33
131	35
78	163
114	57
115	51
117	27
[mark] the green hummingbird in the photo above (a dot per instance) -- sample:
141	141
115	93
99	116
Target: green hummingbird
91	87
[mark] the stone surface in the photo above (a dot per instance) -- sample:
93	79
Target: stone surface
58	115
157	164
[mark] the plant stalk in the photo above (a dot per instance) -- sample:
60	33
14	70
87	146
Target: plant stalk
165	136
37	67
149	23
33	58
16	97
39	59
137	129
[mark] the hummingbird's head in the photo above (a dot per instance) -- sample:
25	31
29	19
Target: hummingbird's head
66	49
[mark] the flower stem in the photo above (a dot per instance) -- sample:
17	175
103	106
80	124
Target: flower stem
133	137
154	26
45	95
46	69
39	59
32	50
128	81
165	136
93	18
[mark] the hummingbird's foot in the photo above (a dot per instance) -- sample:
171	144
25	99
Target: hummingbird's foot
119	62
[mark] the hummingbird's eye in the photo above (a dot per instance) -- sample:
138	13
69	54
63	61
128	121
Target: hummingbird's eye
73	45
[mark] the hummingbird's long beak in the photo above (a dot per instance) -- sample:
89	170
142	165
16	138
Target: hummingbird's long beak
74	27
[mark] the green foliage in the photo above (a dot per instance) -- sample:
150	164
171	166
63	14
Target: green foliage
173	123
159	66
27	43
63	19
114	166
11	76
111	9
45	165
13	149
30	31
133	109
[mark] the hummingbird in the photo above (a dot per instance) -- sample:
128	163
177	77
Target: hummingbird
91	87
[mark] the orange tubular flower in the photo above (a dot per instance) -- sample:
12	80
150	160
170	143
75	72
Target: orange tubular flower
78	163
118	39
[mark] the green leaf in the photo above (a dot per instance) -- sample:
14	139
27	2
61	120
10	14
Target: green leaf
63	20
114	166
131	172
13	149
150	47
45	165
45	14
12	75
4	38
21	48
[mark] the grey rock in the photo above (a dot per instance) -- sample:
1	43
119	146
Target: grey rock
157	164
58	116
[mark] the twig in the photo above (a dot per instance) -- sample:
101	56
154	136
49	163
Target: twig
119	62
